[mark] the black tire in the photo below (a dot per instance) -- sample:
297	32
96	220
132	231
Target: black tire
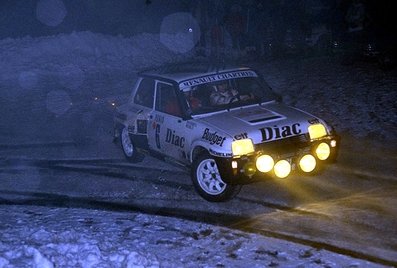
128	146
208	182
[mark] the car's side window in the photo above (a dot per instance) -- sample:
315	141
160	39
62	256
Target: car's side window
167	100
145	93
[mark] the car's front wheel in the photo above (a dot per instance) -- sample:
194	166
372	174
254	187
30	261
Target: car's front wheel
128	146
208	182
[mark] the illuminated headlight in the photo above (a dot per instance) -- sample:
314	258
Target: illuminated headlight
307	163
323	151
242	147
317	131
264	163
282	168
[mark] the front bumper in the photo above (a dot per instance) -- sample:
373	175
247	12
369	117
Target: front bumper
243	170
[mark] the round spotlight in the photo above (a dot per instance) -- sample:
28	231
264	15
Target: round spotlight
307	163
282	168
323	151
264	163
249	169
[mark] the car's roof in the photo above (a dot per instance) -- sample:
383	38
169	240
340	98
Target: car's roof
182	72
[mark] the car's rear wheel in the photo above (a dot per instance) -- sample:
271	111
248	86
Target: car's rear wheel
127	144
208	182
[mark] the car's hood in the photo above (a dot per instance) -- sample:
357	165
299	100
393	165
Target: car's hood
261	123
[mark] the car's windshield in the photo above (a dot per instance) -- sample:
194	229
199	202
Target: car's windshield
206	97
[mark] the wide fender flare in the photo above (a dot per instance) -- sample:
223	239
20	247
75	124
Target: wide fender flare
198	145
202	145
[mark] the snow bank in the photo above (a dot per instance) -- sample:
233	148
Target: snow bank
71	237
86	51
358	100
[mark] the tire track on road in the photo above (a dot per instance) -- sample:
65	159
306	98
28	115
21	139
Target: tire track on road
105	167
122	170
221	219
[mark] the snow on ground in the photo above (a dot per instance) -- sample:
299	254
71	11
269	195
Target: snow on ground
358	100
33	236
72	55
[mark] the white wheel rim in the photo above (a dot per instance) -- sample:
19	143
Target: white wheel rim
209	178
126	142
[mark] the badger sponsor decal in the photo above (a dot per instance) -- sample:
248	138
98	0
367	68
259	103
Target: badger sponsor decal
275	132
213	137
216	77
241	136
174	139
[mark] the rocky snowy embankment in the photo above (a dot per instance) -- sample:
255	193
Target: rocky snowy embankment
86	51
46	237
359	100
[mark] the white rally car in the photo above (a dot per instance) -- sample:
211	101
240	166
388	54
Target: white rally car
228	137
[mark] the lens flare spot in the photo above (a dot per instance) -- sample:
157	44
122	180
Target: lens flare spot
51	12
173	32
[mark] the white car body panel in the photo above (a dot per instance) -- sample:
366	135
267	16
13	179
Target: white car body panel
177	137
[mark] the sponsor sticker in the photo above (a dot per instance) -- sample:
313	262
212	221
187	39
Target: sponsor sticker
241	136
174	139
220	154
216	77
213	137
276	132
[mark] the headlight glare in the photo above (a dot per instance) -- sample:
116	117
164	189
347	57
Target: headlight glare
323	151
282	168
317	131
264	163
307	163
242	147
